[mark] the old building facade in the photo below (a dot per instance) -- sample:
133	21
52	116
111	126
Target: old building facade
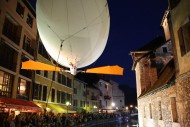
17	43
179	22
165	101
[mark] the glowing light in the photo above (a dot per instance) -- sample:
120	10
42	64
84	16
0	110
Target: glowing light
113	104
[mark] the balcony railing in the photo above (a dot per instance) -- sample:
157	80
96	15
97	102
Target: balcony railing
107	97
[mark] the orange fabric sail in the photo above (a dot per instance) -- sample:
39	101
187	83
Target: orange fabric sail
33	65
111	70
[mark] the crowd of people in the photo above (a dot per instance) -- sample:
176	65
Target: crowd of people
50	119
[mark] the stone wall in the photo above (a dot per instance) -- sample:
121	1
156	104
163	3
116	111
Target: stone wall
155	110
183	99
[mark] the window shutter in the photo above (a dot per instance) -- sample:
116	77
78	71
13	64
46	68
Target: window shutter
181	41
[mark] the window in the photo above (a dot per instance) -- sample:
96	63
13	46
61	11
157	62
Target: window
68	82
37	91
184	38
46	74
23	89
9	60
75	90
42	51
29	20
38	72
63	80
63	98
82	103
159	111
6	82
165	49
150	110
20	9
75	103
68	97
12	30
87	103
144	112
44	97
174	109
53	76
27	45
52	95
59	78
58	96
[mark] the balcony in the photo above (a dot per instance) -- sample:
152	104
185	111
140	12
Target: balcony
107	97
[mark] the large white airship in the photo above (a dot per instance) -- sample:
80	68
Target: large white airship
74	33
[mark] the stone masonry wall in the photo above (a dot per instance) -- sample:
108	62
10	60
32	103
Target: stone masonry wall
183	98
155	109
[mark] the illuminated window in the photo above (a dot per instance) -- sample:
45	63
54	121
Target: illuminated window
23	89
6	82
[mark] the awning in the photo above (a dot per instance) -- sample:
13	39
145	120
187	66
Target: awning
59	108
21	105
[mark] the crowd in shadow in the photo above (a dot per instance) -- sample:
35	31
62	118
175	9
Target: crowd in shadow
50	119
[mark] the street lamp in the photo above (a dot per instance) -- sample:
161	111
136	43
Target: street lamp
67	104
113	104
127	109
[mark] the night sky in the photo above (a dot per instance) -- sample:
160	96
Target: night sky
133	24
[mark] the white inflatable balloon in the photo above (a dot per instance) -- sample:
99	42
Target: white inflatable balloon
79	27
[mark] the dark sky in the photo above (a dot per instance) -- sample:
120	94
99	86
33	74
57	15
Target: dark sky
133	23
